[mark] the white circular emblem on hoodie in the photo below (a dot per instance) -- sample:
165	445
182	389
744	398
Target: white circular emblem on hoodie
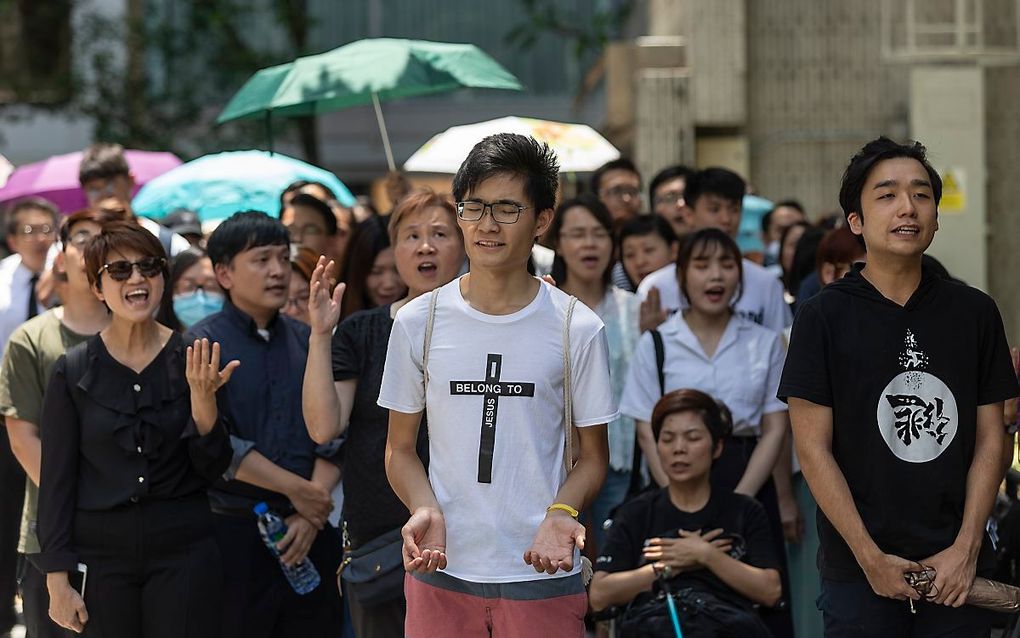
917	416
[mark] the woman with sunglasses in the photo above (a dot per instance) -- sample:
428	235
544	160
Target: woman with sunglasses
128	448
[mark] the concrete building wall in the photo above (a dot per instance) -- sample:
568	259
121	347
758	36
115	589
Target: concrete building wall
1002	143
817	90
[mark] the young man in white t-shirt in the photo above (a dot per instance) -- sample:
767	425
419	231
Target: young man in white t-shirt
715	200
496	514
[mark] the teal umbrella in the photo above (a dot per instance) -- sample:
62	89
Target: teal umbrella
365	72
217	186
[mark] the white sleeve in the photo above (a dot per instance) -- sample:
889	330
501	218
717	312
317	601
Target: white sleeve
591	390
641	392
777	313
777	358
643	287
178	244
403	384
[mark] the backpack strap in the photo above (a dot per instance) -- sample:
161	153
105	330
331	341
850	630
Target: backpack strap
568	401
430	322
660	359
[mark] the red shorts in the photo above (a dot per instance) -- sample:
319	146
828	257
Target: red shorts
441	606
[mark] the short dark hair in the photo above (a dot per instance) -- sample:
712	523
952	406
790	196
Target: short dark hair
805	259
102	161
621	164
29	203
100	217
510	153
642	225
875	151
699	242
720	182
121	235
714	414
243	231
322	208
668	174
598	210
294	186
766	219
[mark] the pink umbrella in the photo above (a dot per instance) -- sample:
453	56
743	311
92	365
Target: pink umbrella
56	178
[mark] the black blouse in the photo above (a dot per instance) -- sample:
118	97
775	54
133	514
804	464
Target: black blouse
117	437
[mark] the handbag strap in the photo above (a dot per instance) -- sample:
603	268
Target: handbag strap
568	401
660	359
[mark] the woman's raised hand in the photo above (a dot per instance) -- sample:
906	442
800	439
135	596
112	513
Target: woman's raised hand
323	309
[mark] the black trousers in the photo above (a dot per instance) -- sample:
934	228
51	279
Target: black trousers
379	621
726	473
12	497
258	602
154	570
35	600
853	610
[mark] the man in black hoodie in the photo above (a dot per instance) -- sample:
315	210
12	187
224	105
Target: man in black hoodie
896	380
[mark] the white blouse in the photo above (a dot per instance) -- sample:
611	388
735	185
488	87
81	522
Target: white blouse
743	372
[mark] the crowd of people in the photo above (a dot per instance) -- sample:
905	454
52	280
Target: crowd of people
495	415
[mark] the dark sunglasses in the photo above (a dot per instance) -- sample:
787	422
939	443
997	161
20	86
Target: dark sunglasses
121	270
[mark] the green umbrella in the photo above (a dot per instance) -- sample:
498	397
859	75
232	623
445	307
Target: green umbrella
365	72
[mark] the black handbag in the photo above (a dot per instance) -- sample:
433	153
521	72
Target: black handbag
702	615
374	572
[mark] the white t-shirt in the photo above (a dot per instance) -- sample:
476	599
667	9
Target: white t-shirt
501	374
761	301
743	372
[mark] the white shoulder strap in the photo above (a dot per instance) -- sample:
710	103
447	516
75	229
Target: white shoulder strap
568	403
429	324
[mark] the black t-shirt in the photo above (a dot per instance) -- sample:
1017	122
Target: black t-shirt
653	515
904	385
359	352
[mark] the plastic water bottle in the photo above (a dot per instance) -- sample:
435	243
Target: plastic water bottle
303	577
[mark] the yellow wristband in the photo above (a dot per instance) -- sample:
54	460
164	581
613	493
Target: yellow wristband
566	508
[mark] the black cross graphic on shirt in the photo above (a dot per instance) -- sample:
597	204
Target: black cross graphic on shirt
491	389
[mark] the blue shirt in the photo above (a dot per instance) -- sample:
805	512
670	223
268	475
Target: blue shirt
261	404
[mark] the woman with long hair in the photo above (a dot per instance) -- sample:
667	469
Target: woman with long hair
342	380
582	236
371	273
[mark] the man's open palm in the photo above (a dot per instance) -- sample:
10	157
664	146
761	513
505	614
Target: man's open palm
424	541
553	547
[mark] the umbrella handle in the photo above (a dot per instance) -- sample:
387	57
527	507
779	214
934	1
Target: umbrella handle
382	130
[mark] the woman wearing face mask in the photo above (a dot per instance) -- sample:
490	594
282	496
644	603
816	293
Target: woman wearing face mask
341	385
709	347
371	273
193	291
130	443
581	233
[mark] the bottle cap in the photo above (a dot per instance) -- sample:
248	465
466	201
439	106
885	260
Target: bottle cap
260	509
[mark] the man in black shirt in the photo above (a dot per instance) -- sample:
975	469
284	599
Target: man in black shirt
896	380
275	461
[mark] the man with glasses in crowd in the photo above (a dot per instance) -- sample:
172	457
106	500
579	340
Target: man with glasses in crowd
31	230
497	510
618	185
31	352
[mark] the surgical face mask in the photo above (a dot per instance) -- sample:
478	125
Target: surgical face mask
192	307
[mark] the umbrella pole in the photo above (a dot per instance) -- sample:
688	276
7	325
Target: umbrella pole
382	130
269	131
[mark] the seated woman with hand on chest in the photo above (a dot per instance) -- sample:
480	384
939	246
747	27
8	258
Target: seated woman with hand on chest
711	547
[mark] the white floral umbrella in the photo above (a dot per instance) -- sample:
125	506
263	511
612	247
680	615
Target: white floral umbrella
580	148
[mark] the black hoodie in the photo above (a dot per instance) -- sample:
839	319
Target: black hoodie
904	384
